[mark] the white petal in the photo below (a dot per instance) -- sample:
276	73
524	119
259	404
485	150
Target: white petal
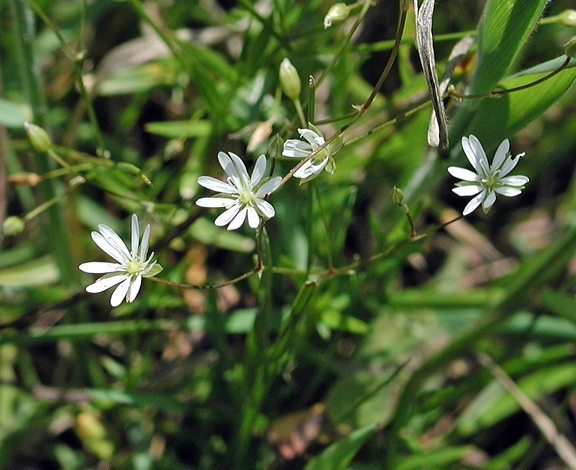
510	164
314	139
120	292
215	202
508	191
265	208
238	220
144	245
229	168
296	149
134	289
120	255
114	240
105	282
501	154
468	190
227	215
474	203
514	180
97	267
304	171
470	155
253	217
463	173
241	168
258	171
216	185
310	168
489	200
478	150
135	235
269	187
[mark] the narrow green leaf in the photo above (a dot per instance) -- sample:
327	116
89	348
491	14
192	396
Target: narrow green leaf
37	272
505	28
339	454
14	114
434	459
495	404
155	400
177	129
498	118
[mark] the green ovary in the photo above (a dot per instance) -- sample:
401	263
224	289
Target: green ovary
246	197
319	157
490	181
134	267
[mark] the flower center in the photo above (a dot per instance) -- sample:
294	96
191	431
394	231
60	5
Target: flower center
134	266
246	196
320	157
490	181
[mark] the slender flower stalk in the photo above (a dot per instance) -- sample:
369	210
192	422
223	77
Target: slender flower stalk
242	195
130	268
486	180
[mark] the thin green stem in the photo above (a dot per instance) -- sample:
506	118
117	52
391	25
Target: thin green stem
48	204
362	108
300	111
207	287
76	60
326	226
267	24
498	93
57	242
533	273
345	43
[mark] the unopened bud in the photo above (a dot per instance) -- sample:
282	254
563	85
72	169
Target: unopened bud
397	196
338	12
12	226
290	80
275	146
570	47
39	138
568	18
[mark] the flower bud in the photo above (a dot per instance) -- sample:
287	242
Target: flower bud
338	12
12	226
290	80
397	196
275	146
570	47
568	18
39	138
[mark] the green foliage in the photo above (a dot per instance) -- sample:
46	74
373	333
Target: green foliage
349	329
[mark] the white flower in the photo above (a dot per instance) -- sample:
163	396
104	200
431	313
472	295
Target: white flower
242	196
299	149
132	265
487	180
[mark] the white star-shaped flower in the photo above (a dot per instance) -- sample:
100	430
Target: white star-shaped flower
301	149
242	196
132	265
487	180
